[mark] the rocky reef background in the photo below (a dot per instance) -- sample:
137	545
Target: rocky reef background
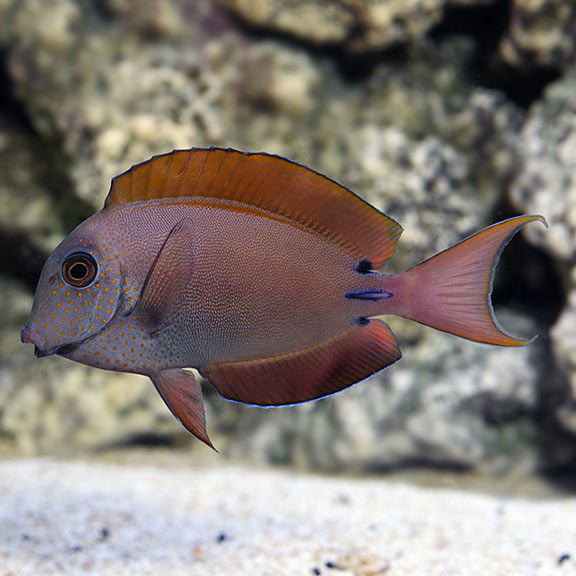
445	114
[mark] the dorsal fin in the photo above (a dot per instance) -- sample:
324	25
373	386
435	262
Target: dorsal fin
265	182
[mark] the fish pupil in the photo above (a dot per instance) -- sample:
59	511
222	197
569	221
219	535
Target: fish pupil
78	271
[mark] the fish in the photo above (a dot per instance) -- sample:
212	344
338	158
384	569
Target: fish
260	273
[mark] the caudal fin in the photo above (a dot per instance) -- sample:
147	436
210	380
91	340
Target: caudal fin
451	291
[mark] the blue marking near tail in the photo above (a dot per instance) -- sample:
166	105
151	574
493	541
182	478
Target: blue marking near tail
364	267
373	295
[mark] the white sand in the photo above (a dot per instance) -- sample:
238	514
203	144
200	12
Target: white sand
69	518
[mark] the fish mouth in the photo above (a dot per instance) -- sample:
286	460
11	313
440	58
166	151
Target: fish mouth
40	353
60	350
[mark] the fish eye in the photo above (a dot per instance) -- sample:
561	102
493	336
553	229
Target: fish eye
79	269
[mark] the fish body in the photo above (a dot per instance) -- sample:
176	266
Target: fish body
281	289
257	271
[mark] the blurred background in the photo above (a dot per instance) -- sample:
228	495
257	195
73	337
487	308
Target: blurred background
446	114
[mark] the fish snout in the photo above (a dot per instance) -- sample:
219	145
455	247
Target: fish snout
28	335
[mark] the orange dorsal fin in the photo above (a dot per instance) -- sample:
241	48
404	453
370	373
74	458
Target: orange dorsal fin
266	183
308	374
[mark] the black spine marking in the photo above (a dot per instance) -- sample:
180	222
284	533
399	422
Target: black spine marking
363	321
374	295
364	267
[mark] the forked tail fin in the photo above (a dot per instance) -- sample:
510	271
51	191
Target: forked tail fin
451	291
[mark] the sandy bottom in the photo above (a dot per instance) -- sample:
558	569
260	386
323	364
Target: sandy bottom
71	518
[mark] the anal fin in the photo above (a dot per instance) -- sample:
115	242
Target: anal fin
183	395
310	373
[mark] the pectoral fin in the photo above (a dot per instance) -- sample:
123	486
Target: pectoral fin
167	279
183	396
